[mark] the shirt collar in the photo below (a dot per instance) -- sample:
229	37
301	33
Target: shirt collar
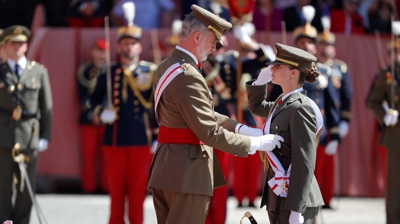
22	63
190	54
290	93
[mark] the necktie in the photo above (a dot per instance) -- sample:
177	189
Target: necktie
17	69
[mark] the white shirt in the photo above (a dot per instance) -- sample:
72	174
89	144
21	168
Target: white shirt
22	65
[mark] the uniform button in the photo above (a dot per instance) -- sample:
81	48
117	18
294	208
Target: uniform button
204	155
117	78
117	109
33	86
1	85
228	77
136	102
276	127
137	117
136	110
19	86
317	101
117	117
116	93
318	87
317	93
116	101
306	203
116	85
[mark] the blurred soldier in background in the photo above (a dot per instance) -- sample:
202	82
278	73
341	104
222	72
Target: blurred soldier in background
2	52
337	109
173	39
91	128
128	132
25	112
383	100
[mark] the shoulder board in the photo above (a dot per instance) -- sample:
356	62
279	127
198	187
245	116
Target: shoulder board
35	64
323	68
342	65
232	52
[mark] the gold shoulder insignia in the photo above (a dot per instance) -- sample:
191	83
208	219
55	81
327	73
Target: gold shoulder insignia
186	66
342	65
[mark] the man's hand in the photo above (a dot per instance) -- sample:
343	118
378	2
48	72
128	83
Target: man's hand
248	131
43	144
240	33
343	129
295	218
331	147
391	117
154	146
264	77
265	143
108	116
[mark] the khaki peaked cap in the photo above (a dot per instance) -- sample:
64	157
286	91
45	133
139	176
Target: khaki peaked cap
287	55
16	33
215	23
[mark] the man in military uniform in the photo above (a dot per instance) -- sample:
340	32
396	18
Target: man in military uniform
129	131
184	170
387	116
220	71
25	127
91	128
337	109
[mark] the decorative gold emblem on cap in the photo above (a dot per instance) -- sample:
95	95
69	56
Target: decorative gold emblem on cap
17	31
214	30
287	61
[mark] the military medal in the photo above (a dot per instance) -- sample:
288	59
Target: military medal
17	112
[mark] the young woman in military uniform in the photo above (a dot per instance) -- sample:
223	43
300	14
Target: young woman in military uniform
297	119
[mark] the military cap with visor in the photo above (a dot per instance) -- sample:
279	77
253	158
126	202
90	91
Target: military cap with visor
287	55
216	24
15	33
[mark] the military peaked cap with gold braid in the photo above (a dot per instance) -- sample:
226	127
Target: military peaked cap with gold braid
287	55
216	24
16	33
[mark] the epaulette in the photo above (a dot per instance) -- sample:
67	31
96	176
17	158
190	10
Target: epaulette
323	68
232	52
341	64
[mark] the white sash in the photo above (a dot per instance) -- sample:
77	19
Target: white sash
164	81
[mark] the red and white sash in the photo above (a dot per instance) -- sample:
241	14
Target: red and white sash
164	81
279	184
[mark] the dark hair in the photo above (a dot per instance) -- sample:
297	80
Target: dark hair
309	75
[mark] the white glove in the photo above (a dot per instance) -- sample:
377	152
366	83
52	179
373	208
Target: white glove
108	116
264	77
323	81
390	118
331	147
241	34
153	146
248	131
265	143
295	218
343	129
43	144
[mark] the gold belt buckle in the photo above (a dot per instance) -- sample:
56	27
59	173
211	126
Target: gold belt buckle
17	112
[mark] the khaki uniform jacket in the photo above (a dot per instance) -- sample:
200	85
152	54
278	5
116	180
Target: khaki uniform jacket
295	121
34	87
381	91
187	103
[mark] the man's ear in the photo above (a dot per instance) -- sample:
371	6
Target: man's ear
197	37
